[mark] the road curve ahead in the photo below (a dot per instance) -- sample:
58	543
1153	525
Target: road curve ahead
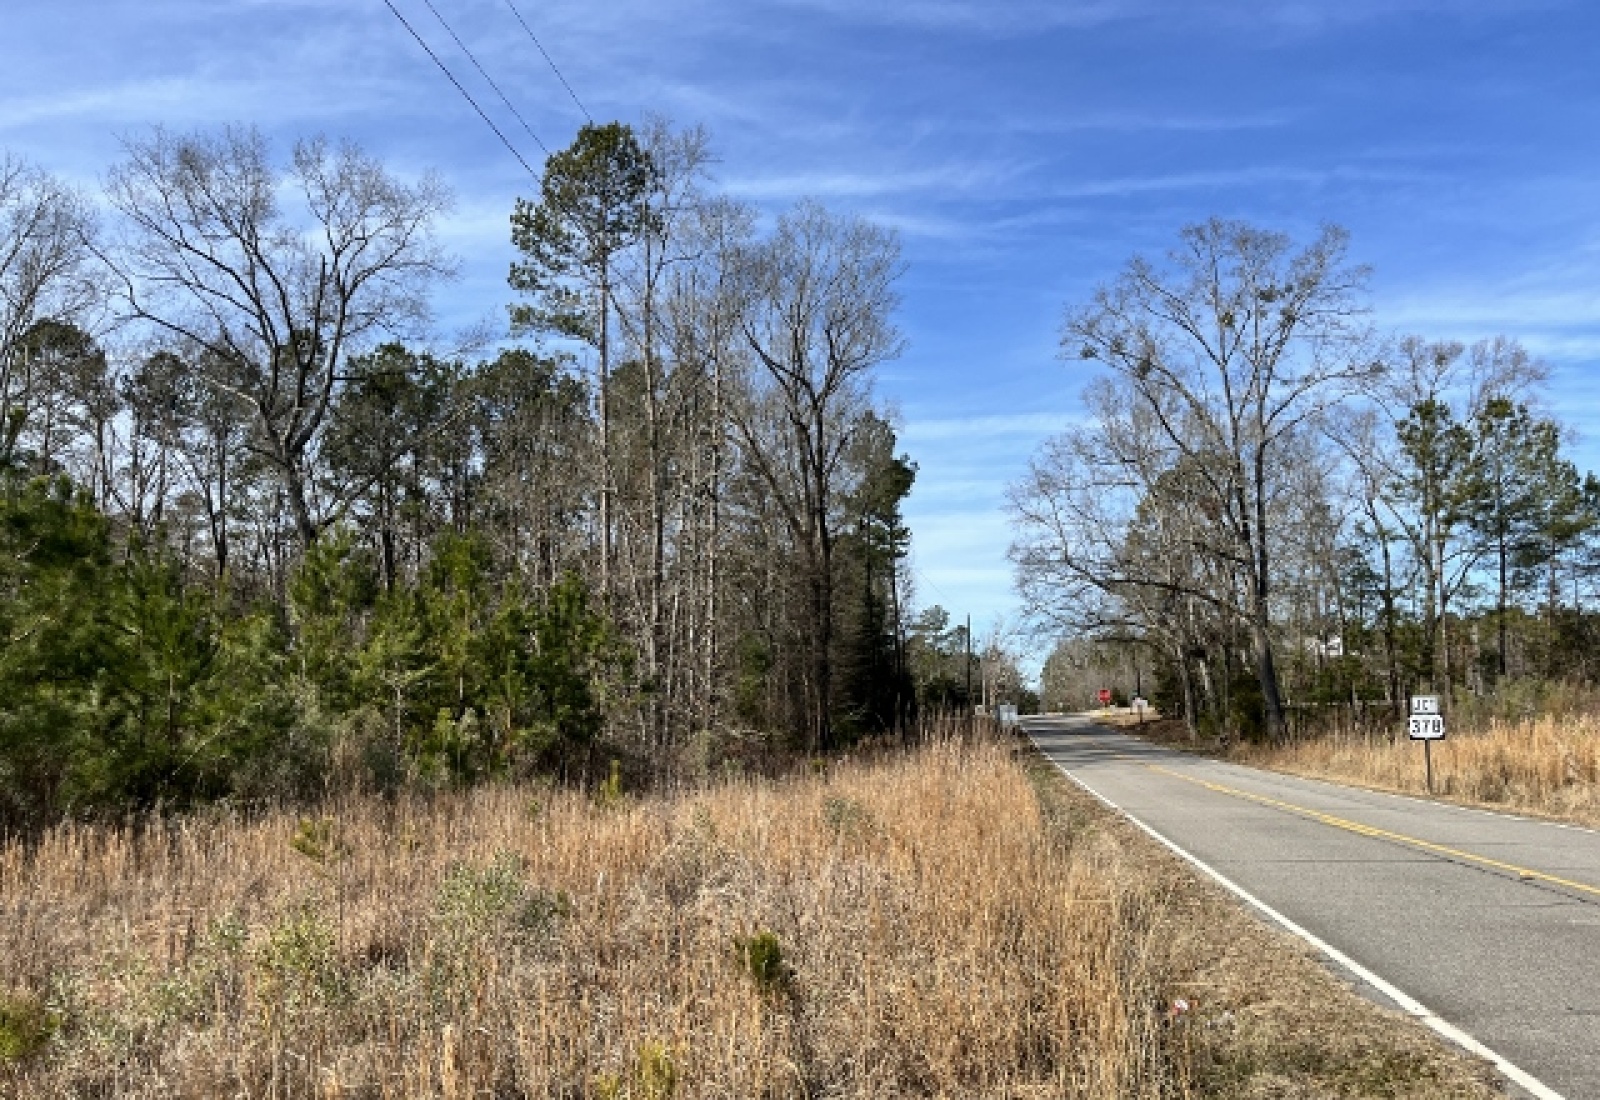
1487	926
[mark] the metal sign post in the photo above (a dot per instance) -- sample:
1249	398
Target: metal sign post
1426	724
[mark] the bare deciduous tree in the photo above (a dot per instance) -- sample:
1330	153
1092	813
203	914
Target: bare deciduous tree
1234	346
46	275
819	299
215	258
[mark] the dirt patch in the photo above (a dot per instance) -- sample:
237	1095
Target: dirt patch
1171	732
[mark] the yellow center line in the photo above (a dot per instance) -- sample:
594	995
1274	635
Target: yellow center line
1379	834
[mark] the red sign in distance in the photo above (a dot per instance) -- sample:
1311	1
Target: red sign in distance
1105	696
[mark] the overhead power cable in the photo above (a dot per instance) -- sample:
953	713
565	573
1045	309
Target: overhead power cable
464	93
549	61
484	73
929	580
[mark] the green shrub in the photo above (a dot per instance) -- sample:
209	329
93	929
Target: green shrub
656	1072
26	1024
476	897
299	962
610	793
474	903
845	817
654	1077
316	839
762	958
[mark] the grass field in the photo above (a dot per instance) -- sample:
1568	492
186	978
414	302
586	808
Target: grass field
955	922
1548	766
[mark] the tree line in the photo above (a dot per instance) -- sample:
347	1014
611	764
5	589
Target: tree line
1274	509
260	535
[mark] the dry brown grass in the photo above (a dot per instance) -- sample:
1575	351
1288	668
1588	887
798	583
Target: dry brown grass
1267	1020
930	934
1548	766
946	923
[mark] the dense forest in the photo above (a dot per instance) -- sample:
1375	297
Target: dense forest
261	538
1272	513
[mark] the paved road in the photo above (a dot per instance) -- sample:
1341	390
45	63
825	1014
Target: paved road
1489	921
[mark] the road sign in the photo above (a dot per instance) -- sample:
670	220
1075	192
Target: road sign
1104	696
1426	724
1426	727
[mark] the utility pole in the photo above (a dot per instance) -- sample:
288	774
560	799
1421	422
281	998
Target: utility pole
969	665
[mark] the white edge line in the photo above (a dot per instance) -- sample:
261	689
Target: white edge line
1407	1003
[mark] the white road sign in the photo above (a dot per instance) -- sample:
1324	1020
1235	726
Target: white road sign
1424	704
1426	727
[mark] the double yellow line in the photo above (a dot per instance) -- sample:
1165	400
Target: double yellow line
1524	873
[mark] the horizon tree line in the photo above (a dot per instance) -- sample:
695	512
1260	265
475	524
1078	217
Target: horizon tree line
261	537
1285	510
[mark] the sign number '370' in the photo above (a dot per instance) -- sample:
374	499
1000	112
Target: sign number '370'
1425	723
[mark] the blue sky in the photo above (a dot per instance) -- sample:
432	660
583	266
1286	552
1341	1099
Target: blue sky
1025	150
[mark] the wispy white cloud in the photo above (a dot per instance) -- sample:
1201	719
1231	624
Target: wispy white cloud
977	16
1559	315
1069	121
1039	16
1247	176
945	180
922	430
1555	304
932	226
155	97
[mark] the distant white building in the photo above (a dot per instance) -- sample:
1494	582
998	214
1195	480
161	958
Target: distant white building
1331	646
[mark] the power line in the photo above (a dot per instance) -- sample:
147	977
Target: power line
464	93
929	579
549	62
483	73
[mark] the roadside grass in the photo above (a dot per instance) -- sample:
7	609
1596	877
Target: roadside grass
955	921
909	926
1547	766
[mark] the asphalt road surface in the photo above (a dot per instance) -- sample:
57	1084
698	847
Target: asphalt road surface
1485	926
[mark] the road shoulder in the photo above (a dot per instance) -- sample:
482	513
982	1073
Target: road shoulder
1263	1015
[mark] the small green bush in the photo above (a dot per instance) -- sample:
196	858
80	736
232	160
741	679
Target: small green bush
225	935
477	900
657	1072
26	1024
610	794
762	958
475	897
847	818
654	1077
299	962
317	840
